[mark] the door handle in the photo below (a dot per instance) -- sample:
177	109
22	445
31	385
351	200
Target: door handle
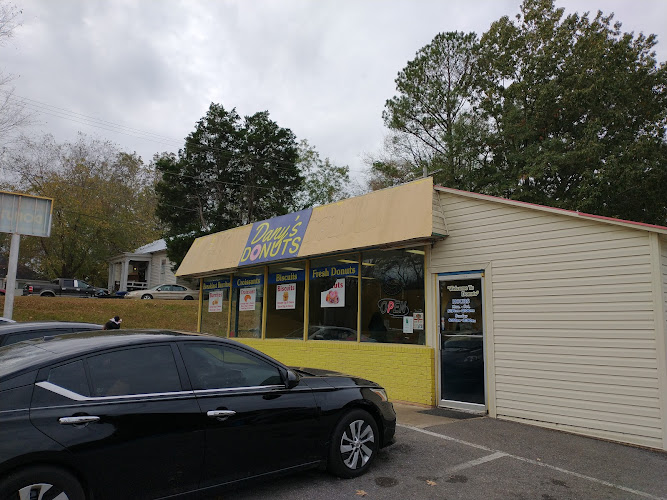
78	420
220	414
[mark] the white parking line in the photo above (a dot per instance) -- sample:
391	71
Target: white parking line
499	454
472	463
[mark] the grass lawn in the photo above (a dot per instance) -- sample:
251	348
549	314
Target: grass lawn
169	314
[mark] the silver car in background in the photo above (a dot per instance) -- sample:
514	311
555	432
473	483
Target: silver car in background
174	292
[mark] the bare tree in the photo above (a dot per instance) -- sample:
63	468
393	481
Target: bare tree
13	114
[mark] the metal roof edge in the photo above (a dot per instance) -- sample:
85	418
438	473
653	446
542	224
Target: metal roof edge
554	210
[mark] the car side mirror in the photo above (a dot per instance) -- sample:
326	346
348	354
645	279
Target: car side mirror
292	379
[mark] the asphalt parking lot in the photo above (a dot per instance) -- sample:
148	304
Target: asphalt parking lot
444	455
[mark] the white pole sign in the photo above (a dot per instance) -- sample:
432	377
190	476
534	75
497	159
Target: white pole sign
21	214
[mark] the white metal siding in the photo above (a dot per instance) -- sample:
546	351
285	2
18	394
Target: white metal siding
156	262
663	267
439	226
574	343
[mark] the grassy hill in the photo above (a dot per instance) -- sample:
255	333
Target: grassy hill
170	314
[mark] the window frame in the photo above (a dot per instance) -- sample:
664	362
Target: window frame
43	374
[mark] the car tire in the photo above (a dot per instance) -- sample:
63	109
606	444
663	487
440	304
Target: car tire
48	294
188	297
146	296
354	444
34	482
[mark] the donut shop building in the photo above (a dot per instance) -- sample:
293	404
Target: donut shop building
457	300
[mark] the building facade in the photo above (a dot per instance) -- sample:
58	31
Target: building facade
146	267
459	300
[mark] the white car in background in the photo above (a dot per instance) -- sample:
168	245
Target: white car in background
175	292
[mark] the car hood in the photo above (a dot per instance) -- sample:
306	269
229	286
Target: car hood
332	378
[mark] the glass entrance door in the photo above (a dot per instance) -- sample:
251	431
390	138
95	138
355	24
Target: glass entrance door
462	342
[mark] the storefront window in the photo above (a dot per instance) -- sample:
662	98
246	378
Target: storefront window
285	301
215	308
334	298
392	295
247	299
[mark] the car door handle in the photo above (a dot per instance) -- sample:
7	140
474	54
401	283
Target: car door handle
220	414
86	419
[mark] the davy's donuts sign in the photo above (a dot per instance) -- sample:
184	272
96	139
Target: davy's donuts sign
275	239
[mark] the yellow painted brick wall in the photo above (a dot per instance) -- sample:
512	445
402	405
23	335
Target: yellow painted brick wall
407	372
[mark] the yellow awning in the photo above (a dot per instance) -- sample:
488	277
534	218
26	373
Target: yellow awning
389	216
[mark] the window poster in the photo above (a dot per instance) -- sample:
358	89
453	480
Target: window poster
408	324
247	298
215	302
286	296
418	320
334	296
461	306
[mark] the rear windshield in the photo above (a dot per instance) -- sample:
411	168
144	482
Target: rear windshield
15	357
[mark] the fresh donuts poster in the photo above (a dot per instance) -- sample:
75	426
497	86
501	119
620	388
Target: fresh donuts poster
286	296
247	298
334	296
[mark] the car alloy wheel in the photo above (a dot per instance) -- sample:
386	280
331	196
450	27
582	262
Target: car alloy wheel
38	491
146	297
355	444
39	483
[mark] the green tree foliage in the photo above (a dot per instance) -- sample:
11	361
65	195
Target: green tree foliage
232	171
561	110
434	109
579	111
103	204
323	183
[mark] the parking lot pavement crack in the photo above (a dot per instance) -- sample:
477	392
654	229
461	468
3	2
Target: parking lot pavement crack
495	454
473	463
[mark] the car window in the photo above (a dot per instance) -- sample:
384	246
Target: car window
142	370
161	289
69	283
177	288
71	376
222	367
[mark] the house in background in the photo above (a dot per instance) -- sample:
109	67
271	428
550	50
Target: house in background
146	267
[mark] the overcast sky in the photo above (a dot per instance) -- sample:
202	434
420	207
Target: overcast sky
323	68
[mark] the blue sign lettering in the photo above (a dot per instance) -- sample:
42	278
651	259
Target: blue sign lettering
277	238
287	277
248	281
216	283
340	271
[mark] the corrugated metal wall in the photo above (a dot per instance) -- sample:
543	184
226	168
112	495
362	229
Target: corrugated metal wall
439	224
574	343
663	266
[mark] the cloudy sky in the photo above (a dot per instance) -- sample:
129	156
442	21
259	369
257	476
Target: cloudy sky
142	72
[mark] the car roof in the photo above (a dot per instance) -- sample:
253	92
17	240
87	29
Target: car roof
7	328
33	354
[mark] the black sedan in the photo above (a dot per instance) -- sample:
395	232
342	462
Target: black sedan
154	414
13	332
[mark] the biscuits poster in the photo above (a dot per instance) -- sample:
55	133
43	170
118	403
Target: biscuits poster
286	296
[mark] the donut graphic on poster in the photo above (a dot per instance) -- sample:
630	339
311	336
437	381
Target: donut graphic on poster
334	296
